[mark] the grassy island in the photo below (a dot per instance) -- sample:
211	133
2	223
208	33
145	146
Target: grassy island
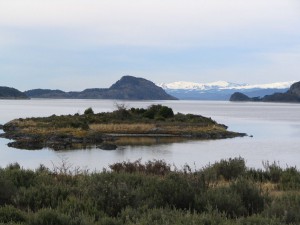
135	193
109	129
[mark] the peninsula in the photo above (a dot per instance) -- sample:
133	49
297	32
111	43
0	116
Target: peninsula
105	129
292	95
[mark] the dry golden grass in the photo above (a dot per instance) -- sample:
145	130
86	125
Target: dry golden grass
273	191
123	128
190	129
142	128
24	123
30	126
269	187
44	131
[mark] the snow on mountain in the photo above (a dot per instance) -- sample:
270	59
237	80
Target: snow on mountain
277	85
197	86
221	85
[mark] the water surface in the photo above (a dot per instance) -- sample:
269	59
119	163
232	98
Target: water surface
275	128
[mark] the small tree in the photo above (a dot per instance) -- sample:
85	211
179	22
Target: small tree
166	112
122	112
89	111
158	111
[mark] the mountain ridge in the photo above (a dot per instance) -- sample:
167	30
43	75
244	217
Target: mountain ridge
221	90
223	85
127	88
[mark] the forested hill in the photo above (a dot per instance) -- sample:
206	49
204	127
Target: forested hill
11	93
127	88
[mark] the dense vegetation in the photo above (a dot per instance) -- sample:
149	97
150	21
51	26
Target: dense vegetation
89	128
131	193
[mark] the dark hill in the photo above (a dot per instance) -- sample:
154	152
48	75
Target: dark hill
11	93
295	89
292	95
45	93
237	96
127	88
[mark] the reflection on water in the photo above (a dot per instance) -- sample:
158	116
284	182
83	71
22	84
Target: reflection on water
147	141
275	128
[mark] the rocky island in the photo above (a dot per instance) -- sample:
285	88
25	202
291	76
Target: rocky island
292	95
105	129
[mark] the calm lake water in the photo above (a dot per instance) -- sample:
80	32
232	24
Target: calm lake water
275	128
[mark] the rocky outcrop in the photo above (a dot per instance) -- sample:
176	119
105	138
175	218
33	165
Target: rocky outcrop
107	146
54	141
127	88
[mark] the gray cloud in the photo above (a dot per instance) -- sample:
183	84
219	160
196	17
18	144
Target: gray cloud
173	23
63	43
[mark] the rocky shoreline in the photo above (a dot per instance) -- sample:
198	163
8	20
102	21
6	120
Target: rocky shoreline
105	130
102	141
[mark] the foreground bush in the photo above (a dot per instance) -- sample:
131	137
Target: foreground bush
151	193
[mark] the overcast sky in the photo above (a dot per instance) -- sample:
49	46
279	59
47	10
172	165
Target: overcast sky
78	44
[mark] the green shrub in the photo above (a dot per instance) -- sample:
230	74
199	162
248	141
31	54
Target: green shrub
75	206
165	112
286	208
290	179
273	171
167	216
50	217
11	214
258	220
251	196
150	193
227	169
89	111
7	190
174	191
158	111
42	196
111	193
224	200
158	167
258	175
231	168
20	177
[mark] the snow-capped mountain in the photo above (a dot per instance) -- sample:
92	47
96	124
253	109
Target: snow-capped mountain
198	86
221	90
184	85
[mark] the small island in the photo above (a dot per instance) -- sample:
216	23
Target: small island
107	129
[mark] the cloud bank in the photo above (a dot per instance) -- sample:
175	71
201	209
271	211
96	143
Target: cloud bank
158	39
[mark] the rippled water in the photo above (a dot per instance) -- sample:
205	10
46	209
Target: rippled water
275	128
